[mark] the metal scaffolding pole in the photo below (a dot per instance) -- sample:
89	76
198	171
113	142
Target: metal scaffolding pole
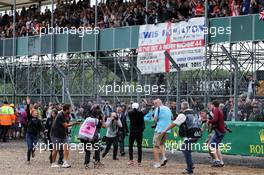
52	85
4	79
206	61
209	74
115	78
63	82
41	79
95	55
14	51
83	77
139	77
28	76
234	62
146	15
177	67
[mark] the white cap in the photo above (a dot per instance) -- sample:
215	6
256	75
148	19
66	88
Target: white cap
135	106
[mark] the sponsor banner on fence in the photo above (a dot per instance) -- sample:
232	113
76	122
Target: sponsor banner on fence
247	138
184	41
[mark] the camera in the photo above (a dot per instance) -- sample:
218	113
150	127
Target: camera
154	126
100	117
210	117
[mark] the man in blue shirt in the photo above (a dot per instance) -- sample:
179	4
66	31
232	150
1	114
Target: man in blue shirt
162	118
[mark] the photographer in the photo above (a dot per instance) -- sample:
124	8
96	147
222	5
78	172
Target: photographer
122	132
112	124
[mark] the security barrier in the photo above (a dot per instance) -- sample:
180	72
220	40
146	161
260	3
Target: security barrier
246	139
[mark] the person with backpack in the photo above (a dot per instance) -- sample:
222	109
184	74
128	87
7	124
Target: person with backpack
90	139
189	124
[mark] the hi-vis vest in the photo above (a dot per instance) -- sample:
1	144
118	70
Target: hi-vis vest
7	115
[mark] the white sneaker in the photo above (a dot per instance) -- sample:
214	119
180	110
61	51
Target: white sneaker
54	165
65	165
156	165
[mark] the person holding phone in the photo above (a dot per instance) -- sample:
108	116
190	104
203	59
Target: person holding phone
112	124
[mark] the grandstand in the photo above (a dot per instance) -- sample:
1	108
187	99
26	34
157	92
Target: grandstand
68	68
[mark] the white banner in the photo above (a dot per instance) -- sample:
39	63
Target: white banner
184	41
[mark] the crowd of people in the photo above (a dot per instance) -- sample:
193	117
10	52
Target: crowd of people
116	13
92	117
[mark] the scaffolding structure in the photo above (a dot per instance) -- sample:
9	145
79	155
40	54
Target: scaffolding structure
78	77
42	76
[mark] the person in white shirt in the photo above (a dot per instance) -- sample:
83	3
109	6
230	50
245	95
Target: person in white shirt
191	119
112	124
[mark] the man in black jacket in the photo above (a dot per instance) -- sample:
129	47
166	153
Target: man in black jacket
137	126
34	127
122	132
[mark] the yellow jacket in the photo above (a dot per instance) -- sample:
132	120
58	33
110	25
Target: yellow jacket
7	115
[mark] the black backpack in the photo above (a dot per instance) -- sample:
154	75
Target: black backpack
191	127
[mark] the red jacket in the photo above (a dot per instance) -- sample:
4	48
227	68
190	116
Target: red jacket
218	119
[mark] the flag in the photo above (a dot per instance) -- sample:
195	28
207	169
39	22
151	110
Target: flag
261	15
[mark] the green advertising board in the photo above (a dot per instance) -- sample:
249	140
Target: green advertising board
247	139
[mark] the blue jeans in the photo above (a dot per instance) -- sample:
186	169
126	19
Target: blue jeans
187	152
217	137
31	140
